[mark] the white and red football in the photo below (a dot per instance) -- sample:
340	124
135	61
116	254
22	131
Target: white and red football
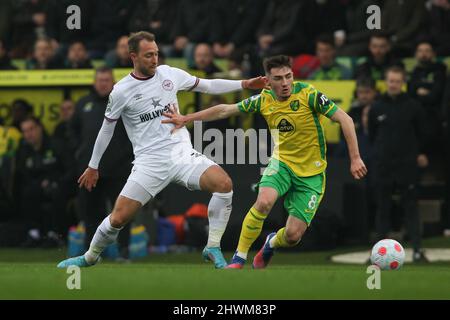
388	254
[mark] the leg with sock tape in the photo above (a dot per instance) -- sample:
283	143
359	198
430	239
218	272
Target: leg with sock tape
253	224
286	237
106	233
251	229
219	210
215	180
290	235
103	237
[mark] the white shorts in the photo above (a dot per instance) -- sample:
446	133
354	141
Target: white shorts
149	176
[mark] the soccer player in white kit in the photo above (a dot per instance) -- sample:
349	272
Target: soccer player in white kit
162	155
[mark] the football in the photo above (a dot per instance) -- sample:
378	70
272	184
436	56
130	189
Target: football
388	254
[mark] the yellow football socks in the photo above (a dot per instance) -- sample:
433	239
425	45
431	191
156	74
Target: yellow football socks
251	228
279	241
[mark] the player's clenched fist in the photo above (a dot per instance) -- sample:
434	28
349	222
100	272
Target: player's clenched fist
88	179
358	169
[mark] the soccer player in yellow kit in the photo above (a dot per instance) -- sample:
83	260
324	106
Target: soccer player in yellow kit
297	166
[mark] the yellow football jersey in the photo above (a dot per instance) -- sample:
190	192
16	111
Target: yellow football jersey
296	126
9	140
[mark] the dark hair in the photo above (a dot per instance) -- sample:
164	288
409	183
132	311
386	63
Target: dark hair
395	69
379	34
276	62
46	39
325	38
425	40
22	104
103	69
34	119
71	43
366	82
136	38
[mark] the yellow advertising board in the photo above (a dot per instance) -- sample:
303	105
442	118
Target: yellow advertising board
45	104
50	78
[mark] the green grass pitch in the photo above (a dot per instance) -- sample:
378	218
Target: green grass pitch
32	274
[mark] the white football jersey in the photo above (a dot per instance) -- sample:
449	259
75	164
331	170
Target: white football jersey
141	101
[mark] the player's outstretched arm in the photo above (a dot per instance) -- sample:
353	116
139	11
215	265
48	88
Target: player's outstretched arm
357	168
220	86
217	112
90	176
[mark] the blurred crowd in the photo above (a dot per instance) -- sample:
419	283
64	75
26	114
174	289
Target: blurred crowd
242	31
38	170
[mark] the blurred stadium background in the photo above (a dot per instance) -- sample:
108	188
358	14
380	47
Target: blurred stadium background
47	70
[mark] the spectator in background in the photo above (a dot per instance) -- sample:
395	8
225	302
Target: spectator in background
398	134
65	146
426	85
403	21
61	135
40	170
279	31
440	26
192	25
43	56
235	61
20	110
304	65
119	57
329	69
379	59
109	21
67	109
157	17
116	161
353	39
28	24
233	25
365	96
9	141
204	59
5	61
77	57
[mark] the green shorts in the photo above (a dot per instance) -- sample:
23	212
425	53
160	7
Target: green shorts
303	194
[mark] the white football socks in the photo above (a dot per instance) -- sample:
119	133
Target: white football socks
272	242
103	237
219	210
242	255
